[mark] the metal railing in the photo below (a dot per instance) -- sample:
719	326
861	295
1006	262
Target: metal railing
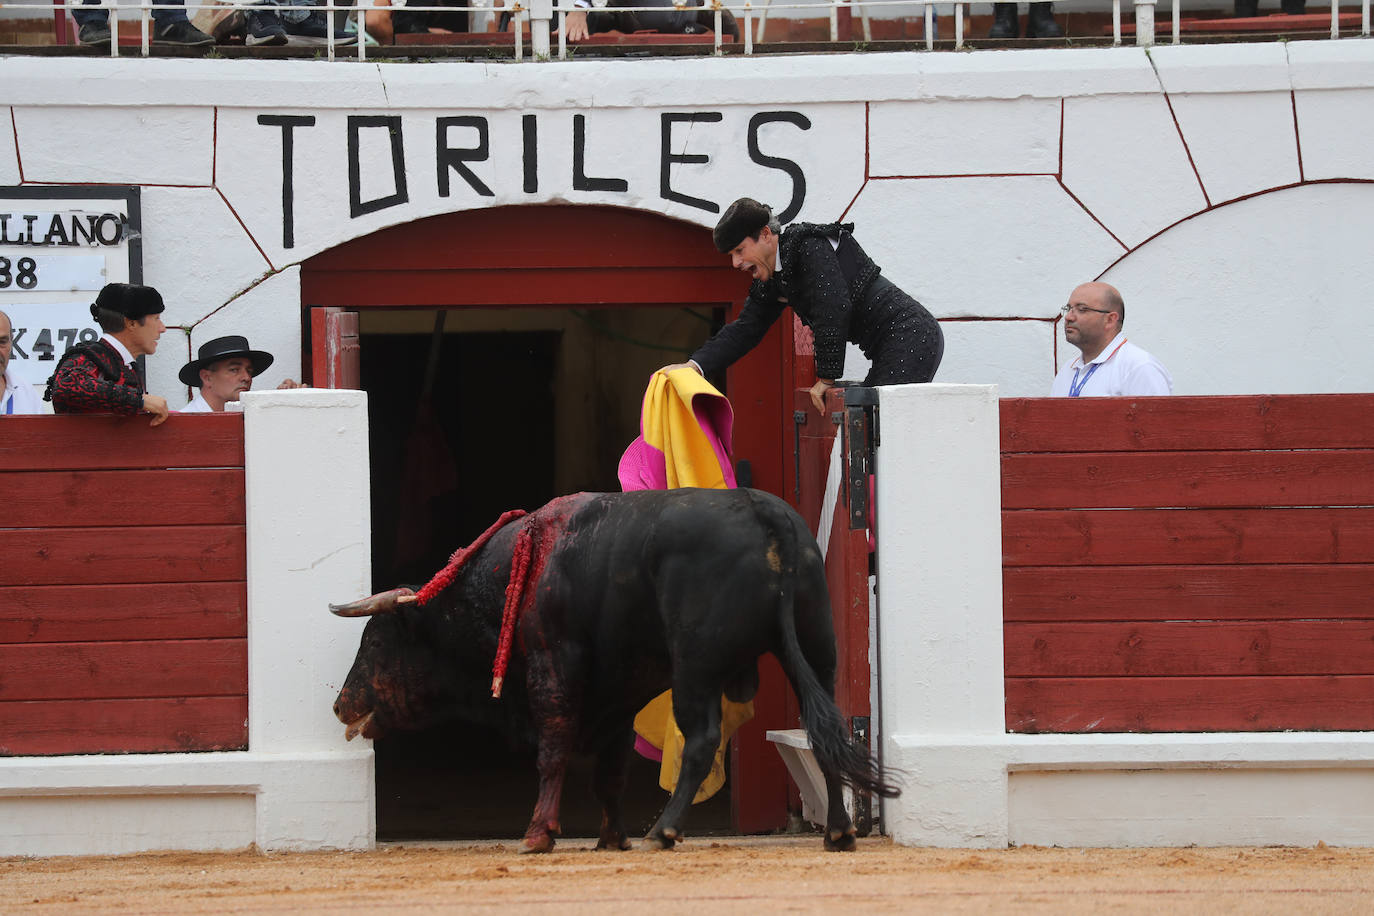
541	15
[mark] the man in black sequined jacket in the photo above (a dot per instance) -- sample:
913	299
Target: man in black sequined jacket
834	287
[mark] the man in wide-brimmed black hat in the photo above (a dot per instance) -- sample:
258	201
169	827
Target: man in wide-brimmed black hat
101	377
831	284
223	369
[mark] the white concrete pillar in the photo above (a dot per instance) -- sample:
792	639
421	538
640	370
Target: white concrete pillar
309	544
940	609
1144	23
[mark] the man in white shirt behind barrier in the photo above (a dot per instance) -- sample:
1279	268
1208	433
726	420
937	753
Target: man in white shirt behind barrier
223	370
1109	365
16	395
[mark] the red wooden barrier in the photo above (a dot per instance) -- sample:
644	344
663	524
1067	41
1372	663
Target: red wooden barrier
846	559
1189	564
123	622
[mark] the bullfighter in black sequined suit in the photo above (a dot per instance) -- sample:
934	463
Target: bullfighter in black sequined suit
834	288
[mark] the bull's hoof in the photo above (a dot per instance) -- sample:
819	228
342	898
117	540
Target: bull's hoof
619	841
537	844
841	840
666	839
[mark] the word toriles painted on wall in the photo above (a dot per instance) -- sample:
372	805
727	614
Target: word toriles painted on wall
451	161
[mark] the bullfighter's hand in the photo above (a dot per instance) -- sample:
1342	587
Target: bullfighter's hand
575	23
290	383
156	406
818	393
687	365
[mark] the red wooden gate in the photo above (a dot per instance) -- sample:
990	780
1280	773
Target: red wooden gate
1189	564
123	624
834	501
334	348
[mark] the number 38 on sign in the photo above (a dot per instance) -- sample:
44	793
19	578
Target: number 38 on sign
21	271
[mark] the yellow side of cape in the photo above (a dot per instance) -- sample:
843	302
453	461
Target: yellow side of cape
670	425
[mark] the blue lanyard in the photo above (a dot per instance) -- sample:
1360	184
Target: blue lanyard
1076	386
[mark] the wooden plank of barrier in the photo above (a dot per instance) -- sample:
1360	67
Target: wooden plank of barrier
1190	704
1189	648
1325	477
132	726
1052	593
84	556
117	670
1186	423
1146	537
58	499
88	441
159	610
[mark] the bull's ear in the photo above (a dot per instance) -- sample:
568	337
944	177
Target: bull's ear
382	603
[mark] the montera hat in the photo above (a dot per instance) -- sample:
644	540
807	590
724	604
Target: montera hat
222	348
128	299
743	219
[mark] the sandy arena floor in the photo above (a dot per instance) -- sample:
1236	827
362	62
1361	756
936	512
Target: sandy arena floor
723	875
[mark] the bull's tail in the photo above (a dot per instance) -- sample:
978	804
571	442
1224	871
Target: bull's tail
825	726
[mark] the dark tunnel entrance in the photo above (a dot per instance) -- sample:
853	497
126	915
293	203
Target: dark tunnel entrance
495	411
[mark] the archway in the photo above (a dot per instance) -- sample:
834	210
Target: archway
488	310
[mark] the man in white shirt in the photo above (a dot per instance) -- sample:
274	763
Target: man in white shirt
222	370
1109	365
16	395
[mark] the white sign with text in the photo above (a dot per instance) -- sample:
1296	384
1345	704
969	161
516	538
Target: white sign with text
58	247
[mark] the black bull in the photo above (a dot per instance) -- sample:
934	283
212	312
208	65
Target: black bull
628	594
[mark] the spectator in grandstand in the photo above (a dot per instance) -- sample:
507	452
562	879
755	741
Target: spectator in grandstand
1109	365
1039	21
16	395
170	26
589	20
224	369
272	23
387	19
834	287
101	377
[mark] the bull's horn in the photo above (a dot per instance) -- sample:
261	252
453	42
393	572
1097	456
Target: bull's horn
383	603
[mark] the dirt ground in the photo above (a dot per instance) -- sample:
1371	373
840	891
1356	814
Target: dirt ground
724	875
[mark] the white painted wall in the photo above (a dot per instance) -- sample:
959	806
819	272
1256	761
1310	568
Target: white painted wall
1225	180
299	785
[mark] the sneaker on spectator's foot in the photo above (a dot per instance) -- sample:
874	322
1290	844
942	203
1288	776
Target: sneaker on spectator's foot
233	25
182	33
312	29
264	27
94	34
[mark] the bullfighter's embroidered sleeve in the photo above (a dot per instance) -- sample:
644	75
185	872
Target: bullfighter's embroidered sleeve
78	387
741	335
